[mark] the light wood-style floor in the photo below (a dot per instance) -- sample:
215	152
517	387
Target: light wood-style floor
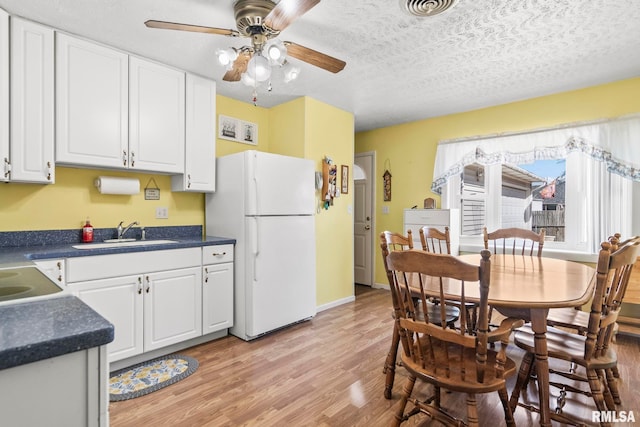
323	372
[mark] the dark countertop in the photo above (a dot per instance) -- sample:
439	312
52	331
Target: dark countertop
37	330
61	324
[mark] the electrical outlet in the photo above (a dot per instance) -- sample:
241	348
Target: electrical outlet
162	212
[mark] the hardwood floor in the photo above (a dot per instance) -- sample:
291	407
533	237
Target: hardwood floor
323	372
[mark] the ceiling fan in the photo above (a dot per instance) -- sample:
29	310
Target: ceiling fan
261	21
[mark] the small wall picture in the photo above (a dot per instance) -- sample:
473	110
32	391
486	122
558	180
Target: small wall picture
344	179
249	133
228	128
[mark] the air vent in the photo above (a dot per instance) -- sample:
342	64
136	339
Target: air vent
426	7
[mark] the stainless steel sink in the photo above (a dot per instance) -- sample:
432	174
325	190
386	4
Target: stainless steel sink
114	243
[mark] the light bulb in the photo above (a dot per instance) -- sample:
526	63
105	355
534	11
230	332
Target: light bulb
259	68
226	56
276	52
291	72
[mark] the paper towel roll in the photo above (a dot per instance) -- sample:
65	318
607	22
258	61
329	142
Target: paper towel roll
116	185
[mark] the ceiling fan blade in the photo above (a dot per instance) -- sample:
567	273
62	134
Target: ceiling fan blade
193	28
286	11
239	67
314	57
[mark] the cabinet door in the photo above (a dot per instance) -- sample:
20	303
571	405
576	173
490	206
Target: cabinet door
200	144
92	104
4	96
172	307
119	300
217	297
156	114
31	142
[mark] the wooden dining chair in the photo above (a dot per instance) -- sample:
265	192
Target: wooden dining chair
450	359
387	240
516	241
591	351
435	241
439	242
577	320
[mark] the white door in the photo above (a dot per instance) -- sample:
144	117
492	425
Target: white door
172	307
363	226
281	272
31	143
156	117
279	185
4	95
92	104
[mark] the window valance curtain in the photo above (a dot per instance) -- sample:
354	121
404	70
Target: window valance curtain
616	143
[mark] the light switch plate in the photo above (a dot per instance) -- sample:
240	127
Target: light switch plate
385	210
162	212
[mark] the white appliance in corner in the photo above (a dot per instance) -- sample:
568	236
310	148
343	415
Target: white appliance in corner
266	202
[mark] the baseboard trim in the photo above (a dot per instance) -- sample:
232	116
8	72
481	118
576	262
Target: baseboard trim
335	303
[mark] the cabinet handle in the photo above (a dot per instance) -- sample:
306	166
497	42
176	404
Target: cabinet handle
189	181
48	171
206	275
7	168
59	265
219	254
133	159
148	284
124	158
139	285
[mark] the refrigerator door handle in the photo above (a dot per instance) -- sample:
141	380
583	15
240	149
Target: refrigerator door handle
256	249
256	195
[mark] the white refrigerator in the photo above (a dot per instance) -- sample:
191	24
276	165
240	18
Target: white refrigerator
266	202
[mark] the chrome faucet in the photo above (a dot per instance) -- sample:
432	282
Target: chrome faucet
122	231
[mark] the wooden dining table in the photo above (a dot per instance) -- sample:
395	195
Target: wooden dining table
526	287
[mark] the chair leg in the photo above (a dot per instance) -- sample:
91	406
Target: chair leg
595	385
508	414
390	363
523	378
615	371
606	391
406	393
472	411
613	385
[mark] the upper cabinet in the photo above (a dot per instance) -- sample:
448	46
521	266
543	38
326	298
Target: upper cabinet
156	117
92	104
200	146
32	104
4	96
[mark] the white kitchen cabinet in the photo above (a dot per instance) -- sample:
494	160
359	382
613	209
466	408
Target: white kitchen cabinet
92	104
415	219
156	117
200	142
217	288
153	299
65	391
4	95
31	141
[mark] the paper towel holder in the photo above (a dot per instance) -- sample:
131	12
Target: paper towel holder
117	185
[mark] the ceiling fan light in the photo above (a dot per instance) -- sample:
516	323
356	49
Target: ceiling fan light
226	56
259	68
247	80
276	52
291	72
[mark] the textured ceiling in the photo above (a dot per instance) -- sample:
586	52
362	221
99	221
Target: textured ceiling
400	68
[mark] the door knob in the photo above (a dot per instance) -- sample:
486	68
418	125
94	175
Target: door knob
367	227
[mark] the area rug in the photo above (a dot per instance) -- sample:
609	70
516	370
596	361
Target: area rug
147	377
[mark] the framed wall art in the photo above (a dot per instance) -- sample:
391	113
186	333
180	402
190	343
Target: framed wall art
344	179
237	130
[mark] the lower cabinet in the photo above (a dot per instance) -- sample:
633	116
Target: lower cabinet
217	288
148	310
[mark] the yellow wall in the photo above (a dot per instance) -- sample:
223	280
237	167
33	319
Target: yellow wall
302	128
410	148
330	132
